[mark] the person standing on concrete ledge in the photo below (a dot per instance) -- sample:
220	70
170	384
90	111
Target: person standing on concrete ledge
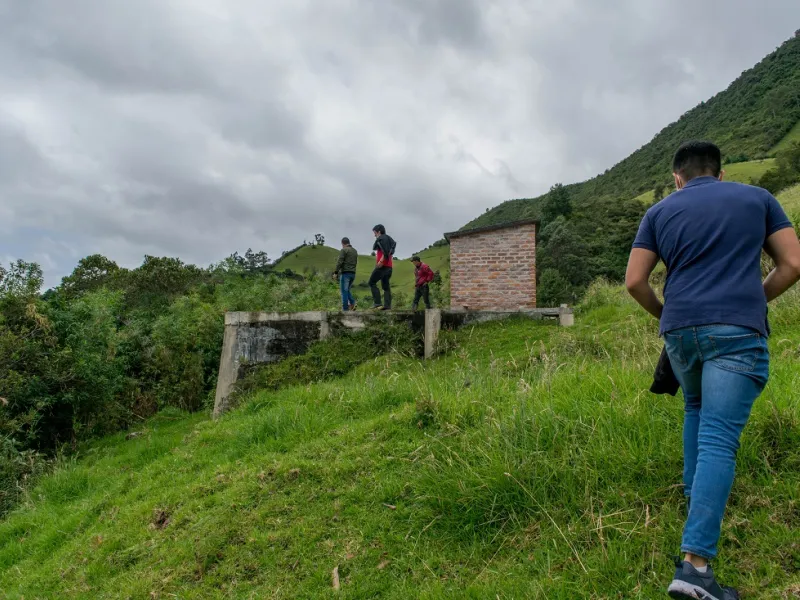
710	235
423	275
384	253
346	270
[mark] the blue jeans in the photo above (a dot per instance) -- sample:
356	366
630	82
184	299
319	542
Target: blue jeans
345	283
722	369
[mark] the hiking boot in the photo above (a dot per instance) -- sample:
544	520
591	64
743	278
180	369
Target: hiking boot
691	584
353	306
377	307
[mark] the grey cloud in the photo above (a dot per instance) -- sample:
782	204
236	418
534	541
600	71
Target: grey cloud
133	46
197	127
616	81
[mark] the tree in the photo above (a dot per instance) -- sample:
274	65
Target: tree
158	281
557	203
563	249
786	173
658	193
20	280
92	272
319	239
553	289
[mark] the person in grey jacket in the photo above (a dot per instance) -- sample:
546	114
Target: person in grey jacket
346	271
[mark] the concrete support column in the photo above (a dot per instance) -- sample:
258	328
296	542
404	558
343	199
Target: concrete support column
228	370
433	324
565	316
324	326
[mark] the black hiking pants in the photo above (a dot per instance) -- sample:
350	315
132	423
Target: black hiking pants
382	274
423	292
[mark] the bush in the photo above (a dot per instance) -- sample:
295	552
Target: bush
18	470
554	289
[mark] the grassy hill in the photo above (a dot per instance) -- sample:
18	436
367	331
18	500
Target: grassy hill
322	259
755	117
745	172
530	462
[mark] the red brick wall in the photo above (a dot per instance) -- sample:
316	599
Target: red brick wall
494	270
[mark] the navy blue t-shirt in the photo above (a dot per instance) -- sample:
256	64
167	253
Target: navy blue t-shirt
710	235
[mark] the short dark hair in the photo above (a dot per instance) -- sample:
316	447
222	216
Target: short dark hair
416	259
346	241
380	229
695	159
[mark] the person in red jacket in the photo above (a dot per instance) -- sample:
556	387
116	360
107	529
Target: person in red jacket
423	276
384	253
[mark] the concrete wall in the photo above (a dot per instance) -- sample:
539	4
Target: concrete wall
258	338
253	338
494	270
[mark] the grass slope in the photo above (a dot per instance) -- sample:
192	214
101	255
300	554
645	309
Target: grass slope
744	172
793	137
322	259
530	462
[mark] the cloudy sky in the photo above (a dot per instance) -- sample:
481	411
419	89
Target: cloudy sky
194	128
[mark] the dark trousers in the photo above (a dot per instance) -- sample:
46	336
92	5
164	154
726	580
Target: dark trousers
423	292
382	274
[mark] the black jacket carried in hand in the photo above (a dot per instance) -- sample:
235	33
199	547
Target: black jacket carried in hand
664	380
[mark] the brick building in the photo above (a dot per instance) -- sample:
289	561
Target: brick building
494	267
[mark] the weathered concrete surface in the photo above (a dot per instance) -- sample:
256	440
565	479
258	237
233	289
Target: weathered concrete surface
453	319
253	338
433	325
261	338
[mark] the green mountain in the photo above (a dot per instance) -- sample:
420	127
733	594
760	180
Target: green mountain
758	115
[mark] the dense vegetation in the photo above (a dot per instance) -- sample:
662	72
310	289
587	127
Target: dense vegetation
109	347
529	462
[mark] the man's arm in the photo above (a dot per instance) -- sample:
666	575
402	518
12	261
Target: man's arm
784	249
637	280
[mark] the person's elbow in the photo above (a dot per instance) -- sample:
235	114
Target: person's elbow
635	283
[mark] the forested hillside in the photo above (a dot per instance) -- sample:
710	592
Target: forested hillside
747	120
587	228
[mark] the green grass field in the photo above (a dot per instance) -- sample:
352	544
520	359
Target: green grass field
791	138
529	462
748	172
745	172
322	259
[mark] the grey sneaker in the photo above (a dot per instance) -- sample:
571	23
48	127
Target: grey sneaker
691	584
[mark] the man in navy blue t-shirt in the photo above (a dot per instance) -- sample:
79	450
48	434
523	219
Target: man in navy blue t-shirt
710	235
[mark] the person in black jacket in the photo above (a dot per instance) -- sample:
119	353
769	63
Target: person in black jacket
384	253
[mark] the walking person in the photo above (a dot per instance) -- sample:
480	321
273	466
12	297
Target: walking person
384	253
346	270
423	275
710	235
